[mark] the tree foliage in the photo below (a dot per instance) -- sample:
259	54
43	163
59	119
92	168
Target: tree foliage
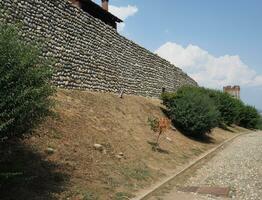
249	117
24	84
259	125
227	106
197	110
193	111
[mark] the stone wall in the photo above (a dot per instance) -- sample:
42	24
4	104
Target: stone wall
90	54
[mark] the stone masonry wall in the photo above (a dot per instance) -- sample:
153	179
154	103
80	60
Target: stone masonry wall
89	54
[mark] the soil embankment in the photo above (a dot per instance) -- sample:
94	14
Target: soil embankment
59	160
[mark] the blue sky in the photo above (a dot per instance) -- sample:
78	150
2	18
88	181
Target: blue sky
215	42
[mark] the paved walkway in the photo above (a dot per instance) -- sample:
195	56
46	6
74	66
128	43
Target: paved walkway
238	166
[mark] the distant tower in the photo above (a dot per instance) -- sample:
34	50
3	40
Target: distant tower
234	91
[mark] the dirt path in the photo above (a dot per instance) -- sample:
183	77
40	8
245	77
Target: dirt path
237	167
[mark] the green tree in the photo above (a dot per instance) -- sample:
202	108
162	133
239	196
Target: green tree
193	111
249	117
259	125
228	106
24	84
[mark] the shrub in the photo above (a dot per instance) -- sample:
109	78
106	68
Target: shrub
193	111
198	110
228	107
168	98
259	125
24	84
249	117
153	122
239	106
232	110
159	126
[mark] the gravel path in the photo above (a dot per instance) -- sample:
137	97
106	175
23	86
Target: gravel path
238	166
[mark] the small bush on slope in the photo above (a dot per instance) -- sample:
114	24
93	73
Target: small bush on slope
259	126
233	111
228	107
159	126
230	110
249	117
168	98
24	84
193	111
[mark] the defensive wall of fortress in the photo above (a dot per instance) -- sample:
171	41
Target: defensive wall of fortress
88	54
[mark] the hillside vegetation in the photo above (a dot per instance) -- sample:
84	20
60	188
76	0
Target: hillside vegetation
197	110
24	84
59	160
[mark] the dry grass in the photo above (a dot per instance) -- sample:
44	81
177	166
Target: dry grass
120	125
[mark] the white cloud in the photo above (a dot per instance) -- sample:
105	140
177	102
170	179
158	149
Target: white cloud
123	13
207	69
121	27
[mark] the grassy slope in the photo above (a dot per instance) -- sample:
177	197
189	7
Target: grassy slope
77	171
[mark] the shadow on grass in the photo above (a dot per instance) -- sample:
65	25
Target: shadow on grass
26	174
156	148
203	138
226	128
165	111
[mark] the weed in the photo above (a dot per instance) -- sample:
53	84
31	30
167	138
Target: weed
137	173
123	196
196	151
111	182
159	126
89	196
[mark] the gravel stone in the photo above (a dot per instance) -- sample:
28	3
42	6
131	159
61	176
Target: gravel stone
238	166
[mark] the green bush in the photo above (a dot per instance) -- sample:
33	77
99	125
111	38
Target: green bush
259	125
24	84
168	98
227	106
249	117
193	111
198	110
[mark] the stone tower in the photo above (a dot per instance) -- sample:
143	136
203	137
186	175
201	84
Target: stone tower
233	90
